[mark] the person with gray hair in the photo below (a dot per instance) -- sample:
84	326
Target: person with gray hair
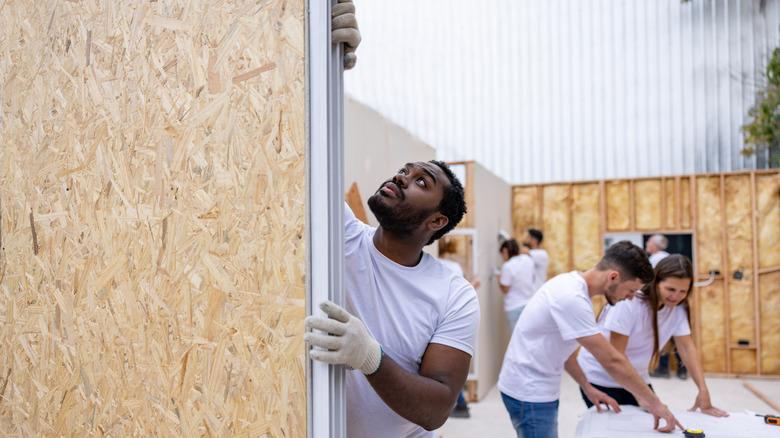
656	248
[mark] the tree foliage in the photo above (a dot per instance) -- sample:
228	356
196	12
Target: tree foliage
764	131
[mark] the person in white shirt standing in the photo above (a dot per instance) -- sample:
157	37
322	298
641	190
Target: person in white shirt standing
410	323
638	327
656	248
558	319
516	281
533	240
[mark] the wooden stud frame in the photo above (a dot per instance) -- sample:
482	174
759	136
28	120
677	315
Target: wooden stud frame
676	184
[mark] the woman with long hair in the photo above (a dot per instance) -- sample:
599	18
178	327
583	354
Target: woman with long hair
640	327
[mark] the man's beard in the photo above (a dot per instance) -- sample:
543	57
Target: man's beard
396	220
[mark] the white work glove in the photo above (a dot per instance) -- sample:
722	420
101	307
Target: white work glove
344	340
344	29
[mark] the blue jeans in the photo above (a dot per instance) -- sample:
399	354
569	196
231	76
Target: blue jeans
532	420
512	316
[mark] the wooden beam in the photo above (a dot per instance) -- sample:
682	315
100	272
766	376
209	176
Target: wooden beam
725	270
756	273
678	203
695	225
631	205
602	215
570	206
664	208
763	397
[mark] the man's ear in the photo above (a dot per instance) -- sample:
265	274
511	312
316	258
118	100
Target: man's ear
437	222
613	276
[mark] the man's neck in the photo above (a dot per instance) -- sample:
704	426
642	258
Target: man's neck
595	281
406	252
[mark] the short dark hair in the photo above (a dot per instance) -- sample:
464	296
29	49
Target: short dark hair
628	259
511	247
453	203
536	234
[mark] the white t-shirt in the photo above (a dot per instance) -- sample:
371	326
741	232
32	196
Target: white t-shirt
518	274
541	259
657	257
453	265
405	309
545	336
632	318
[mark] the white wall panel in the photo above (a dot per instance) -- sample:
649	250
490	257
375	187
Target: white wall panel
555	90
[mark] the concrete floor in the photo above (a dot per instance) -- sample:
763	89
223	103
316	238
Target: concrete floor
489	418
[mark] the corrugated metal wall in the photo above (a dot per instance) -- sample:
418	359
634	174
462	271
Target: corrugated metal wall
569	90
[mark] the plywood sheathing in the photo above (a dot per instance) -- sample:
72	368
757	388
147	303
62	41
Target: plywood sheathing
713	337
770	322
618	208
743	361
159	147
708	228
685	203
768	197
525	209
355	202
586	237
556	205
649	204
739	232
671	204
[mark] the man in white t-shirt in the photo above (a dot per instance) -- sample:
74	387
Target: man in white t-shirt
516	281
410	323
656	248
533	240
558	319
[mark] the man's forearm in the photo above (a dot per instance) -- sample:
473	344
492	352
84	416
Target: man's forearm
624	373
421	400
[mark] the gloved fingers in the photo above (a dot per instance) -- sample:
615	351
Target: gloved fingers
334	311
344	21
342	8
326	325
349	36
350	59
325	356
323	341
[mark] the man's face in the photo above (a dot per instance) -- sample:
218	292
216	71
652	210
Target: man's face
650	247
410	198
529	241
618	290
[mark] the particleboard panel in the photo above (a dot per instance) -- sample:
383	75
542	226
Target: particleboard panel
741	307
768	205
525	209
355	202
770	322
739	232
670	198
743	361
586	238
618	206
152	184
649	204
709	227
713	349
556	227
685	203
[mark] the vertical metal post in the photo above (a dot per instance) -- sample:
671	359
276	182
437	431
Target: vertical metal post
325	187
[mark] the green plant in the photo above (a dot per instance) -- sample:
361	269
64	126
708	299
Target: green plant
764	131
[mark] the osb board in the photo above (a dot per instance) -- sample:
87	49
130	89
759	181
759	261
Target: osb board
709	239
713	348
355	202
739	222
649	204
770	322
685	203
768	205
618	205
586	237
671	207
556	227
158	288
741	307
743	361
464	251
525	209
